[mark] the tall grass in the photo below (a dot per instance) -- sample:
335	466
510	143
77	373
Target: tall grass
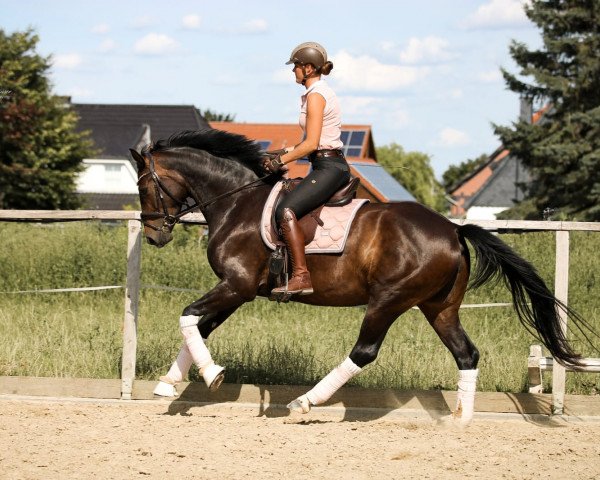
79	334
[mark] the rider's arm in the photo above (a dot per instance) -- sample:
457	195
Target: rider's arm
314	124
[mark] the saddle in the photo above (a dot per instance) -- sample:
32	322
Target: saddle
309	222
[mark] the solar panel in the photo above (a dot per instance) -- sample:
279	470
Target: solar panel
377	176
353	141
264	144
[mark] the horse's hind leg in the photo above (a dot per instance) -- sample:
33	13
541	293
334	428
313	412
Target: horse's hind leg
375	325
446	323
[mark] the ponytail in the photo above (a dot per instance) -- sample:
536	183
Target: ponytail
326	69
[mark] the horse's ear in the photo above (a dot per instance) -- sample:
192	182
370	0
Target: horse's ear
138	159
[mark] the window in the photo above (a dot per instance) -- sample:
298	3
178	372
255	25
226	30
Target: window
112	173
353	142
264	144
113	168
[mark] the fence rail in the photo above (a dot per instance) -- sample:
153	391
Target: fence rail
132	287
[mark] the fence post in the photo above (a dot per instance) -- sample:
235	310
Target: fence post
534	370
561	291
132	293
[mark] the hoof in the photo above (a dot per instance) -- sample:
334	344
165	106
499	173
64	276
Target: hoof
453	423
213	376
300	405
164	389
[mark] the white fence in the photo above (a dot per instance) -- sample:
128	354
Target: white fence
132	288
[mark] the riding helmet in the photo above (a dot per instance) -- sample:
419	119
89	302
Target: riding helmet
309	52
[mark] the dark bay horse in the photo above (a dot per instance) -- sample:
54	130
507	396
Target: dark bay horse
398	255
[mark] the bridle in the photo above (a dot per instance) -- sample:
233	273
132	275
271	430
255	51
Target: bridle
160	189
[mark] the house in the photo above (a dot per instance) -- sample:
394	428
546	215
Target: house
109	181
376	183
495	186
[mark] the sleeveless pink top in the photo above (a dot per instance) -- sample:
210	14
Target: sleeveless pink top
332	115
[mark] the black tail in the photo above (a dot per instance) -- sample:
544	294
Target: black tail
497	260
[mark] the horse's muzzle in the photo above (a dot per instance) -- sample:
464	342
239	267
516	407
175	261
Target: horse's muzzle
158	239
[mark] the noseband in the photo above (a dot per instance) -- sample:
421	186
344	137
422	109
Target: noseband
169	221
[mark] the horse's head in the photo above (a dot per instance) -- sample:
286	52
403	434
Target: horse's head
162	194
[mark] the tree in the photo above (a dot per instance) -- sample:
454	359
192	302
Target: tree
40	152
457	173
413	170
211	116
562	151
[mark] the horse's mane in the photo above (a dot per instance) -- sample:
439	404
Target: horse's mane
218	143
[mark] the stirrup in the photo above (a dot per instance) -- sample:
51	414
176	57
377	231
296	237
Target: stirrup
280	297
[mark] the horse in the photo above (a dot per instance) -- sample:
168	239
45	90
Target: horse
397	256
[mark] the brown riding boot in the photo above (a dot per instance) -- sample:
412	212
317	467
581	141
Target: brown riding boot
294	239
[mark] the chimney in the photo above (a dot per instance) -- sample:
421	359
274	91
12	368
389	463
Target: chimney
526	110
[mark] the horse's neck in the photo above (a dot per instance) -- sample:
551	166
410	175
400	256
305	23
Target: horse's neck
218	179
244	207
212	178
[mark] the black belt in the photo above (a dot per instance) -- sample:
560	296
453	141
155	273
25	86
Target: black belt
329	153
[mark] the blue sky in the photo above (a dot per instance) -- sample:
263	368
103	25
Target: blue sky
424	74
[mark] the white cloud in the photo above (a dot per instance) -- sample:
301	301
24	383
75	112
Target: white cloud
67	61
455	93
107	45
490	76
374	111
144	21
364	73
283	76
155	44
251	27
451	137
352	106
428	49
498	13
257	25
191	21
101	28
387	46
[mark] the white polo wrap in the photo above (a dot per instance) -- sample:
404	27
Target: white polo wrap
188	320
332	382
181	366
465	395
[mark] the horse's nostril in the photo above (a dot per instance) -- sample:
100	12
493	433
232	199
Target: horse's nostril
151	241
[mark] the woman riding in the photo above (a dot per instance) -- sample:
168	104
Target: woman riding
320	119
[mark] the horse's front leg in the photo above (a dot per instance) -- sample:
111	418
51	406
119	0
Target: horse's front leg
166	386
198	320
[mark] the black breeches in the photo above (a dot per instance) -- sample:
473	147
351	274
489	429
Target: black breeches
327	177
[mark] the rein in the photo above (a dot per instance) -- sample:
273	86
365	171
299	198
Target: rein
169	221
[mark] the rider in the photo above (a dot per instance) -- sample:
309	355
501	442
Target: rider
320	119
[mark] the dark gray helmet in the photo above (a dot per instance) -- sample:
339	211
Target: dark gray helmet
308	52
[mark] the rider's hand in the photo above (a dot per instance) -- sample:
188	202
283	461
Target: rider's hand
271	162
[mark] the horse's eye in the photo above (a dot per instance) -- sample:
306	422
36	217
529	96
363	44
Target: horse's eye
143	191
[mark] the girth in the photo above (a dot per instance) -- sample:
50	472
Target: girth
309	222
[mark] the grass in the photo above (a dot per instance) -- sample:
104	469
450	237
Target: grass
79	334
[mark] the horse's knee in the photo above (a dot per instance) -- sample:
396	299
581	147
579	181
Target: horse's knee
362	355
